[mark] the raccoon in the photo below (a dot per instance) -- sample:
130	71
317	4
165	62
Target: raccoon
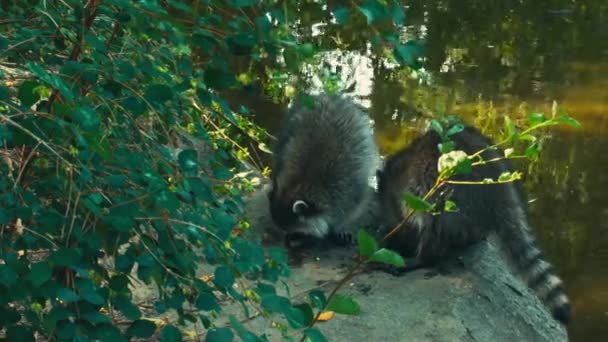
324	158
481	209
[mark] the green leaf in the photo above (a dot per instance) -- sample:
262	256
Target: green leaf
341	14
397	11
5	135
300	315
241	44
26	93
40	272
96	317
317	298
219	335
134	105
568	120
119	283
124	262
510	129
345	305
532	152
90	295
5	92
107	332
450	206
446	146
19	333
141	328
367	243
416	203
171	334
408	53
314	335
242	3
307	50
455	130
223	277
275	303
527	137
158	93
86	118
464	167
372	10
243	333
536	119
65	257
66	295
436	126
124	305
219	78
53	80
206	301
388	257
188	161
8	277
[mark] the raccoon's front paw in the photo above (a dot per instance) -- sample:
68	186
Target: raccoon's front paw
342	239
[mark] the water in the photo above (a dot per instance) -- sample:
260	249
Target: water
493	58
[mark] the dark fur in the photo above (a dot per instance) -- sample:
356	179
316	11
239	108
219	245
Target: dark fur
482	209
325	156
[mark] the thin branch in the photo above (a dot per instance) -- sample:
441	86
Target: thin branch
35	137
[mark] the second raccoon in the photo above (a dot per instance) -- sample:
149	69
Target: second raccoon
481	209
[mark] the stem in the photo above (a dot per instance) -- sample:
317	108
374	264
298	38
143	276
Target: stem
333	292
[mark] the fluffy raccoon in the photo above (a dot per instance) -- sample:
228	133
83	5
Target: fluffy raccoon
324	158
481	209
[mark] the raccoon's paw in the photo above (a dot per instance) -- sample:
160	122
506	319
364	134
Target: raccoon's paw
342	239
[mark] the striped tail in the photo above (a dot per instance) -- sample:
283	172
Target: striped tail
530	263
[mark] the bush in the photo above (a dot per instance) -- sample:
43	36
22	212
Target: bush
119	157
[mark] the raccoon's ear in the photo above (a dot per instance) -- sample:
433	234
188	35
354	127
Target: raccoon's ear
299	207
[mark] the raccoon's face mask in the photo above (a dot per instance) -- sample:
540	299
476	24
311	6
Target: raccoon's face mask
298	217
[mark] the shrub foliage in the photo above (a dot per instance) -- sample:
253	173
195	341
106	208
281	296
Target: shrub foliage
98	191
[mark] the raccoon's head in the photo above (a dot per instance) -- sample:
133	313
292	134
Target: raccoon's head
298	212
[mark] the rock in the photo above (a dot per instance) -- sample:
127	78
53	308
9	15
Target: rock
475	298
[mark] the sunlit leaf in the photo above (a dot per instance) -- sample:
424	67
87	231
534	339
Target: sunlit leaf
388	257
344	305
536	119
436	126
367	243
568	120
416	203
455	130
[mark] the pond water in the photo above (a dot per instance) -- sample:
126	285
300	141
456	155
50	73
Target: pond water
494	58
567	188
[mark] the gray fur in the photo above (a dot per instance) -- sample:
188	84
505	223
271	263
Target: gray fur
325	156
482	209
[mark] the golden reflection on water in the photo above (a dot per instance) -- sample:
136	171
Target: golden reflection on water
569	185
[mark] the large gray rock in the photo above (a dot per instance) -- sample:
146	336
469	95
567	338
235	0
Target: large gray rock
476	298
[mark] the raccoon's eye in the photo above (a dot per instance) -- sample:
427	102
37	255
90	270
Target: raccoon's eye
299	207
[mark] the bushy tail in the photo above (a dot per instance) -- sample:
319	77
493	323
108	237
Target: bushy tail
529	261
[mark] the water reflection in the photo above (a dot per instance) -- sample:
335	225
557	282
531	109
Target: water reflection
494	58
